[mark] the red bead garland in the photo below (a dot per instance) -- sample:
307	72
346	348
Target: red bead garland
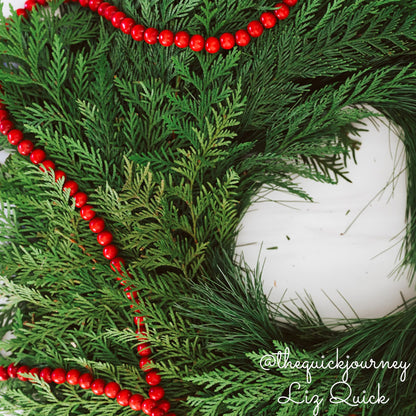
154	405
182	39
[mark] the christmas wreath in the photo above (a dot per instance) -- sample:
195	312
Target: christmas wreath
139	134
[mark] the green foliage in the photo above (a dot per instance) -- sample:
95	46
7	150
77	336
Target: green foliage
172	147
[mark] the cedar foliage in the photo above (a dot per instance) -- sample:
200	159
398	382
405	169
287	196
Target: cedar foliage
172	146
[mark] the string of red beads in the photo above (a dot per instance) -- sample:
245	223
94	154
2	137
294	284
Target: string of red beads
104	238
183	39
155	405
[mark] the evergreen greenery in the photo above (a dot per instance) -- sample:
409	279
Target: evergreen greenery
172	146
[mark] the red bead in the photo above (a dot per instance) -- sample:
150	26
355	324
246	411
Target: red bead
3	374
255	28
170	414
109	12
156	393
212	45
15	136
138	320
150	35
117	19
25	147
123	397
145	364
282	11
290	3
111	390
268	20
126	25
102	8
72	186
166	38
72	377
131	294
197	43
117	264
137	32
136	401
3	115
30	4
104	238
46	375
59	175
81	198
242	37
148	405
58	375
20	371
164	405
94	4
85	380
34	372
158	412
37	156
47	165
84	3
227	41
144	349
87	213
23	13
12	370
182	39
153	378
110	251
97	225
98	386
6	126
